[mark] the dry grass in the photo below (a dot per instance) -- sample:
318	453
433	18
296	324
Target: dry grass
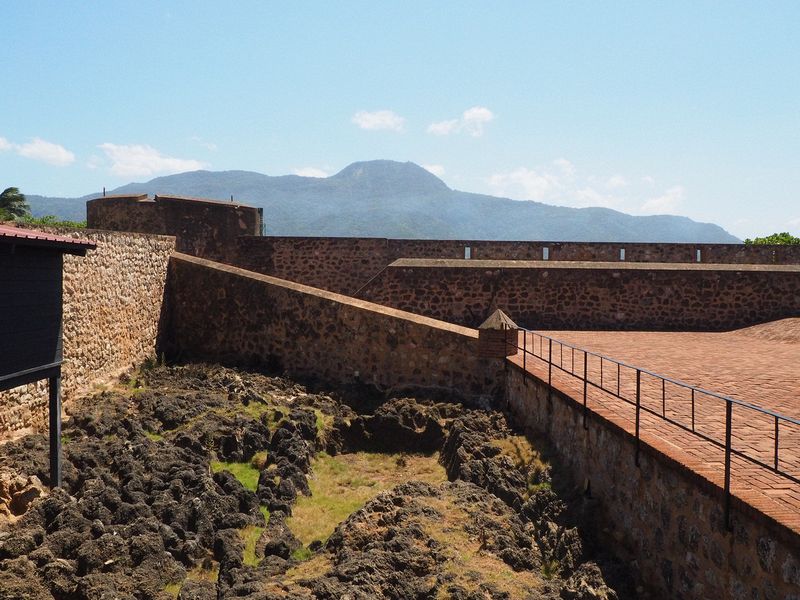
342	484
466	557
525	457
196	574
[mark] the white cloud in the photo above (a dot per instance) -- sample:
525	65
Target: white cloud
310	172
42	150
565	166
475	118
379	119
648	180
139	159
437	170
668	202
524	184
616	181
472	121
444	127
5	144
794	222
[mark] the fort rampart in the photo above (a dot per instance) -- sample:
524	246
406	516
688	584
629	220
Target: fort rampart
344	265
112	306
232	316
668	518
591	295
201	227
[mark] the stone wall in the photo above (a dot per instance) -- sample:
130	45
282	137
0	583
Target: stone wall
575	295
225	314
344	265
201	227
112	306
667	520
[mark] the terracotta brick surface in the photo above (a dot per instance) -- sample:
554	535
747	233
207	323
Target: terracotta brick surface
760	371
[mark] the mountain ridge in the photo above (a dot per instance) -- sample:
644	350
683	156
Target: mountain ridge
385	198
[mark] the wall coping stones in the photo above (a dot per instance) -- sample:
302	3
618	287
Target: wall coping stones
450	263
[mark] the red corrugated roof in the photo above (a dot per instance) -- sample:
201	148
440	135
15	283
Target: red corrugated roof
40	238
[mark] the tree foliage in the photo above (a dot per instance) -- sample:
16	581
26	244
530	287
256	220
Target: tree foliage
13	205
784	238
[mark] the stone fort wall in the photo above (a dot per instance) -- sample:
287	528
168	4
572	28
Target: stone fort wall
666	519
112	300
344	265
225	314
618	296
201	227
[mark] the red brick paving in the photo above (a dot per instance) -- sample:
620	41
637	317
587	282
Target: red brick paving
756	370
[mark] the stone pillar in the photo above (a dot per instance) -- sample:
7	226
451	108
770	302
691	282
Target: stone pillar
497	336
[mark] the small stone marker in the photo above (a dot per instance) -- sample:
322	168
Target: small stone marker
497	336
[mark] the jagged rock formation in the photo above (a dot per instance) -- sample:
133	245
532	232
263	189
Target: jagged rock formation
145	513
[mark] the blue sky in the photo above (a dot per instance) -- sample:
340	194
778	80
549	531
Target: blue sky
688	108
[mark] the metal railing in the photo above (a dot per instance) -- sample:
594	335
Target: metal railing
692	411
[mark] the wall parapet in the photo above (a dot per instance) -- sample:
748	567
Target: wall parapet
201	226
592	295
345	264
262	320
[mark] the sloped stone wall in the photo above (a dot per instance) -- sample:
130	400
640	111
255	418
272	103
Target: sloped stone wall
112	306
224	314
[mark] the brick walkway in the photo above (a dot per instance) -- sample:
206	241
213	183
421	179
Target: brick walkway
743	365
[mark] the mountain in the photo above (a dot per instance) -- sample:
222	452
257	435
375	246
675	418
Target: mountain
383	198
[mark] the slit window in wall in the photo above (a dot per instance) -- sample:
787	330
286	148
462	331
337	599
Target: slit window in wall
467	252
699	256
545	253
622	253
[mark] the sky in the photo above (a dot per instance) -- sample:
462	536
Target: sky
689	108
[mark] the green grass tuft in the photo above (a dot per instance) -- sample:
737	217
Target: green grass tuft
246	473
301	554
250	535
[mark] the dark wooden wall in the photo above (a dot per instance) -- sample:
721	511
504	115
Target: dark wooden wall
30	308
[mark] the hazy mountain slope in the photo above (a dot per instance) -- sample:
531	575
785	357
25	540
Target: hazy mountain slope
390	199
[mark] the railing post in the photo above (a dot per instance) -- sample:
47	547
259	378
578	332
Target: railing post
638	410
550	364
663	398
692	410
776	442
728	421
525	356
585	383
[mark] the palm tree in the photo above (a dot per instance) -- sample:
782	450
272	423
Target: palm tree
13	205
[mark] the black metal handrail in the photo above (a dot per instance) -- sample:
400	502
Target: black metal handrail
695	394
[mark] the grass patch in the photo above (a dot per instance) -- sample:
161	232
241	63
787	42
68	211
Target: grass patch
156	437
173	589
342	484
250	535
259	460
301	554
265	512
246	473
465	555
526	458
